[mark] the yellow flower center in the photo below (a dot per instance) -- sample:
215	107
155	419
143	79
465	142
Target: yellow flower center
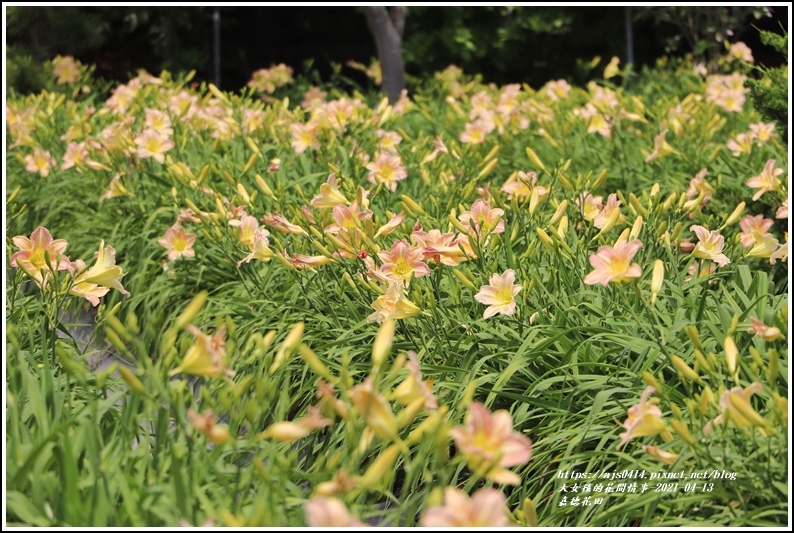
505	295
401	268
37	258
180	244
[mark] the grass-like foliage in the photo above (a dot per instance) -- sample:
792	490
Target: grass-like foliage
482	305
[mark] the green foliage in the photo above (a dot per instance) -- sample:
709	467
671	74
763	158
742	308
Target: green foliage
90	444
770	93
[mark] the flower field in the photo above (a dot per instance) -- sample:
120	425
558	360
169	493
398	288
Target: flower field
479	306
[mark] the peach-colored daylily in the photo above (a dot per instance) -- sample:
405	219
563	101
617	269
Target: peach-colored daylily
590	205
105	272
386	169
612	204
490	445
766	181
643	419
280	223
486	508
613	263
739	50
768	333
206	356
374	409
482	218
441	247
75	153
329	196
90	291
781	253
762	132
260	248
735	406
246	229
660	455
66	68
348	218
297	429
304	136
40	161
322	512
159	122
154	144
402	262
660	148
389	227
393	305
500	294
205	423
34	252
753	227
413	387
765	245
742	144
710	245
115	189
178	242
782	211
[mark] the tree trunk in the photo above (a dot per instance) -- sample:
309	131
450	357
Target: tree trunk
387	29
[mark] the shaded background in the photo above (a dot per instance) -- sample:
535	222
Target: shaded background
520	44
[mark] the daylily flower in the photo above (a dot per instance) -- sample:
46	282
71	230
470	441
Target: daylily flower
329	196
154	144
558	89
476	131
482	218
660	455
393	305
304	136
766	181
739	50
105	272
768	333
178	242
283	225
500	294
612	204
75	153
374	409
66	68
782	211
781	253
742	144
736	408
753	227
440	247
614	263
40	161
345	218
523	185
765	245
413	387
387	169
490	445
325	512
159	122
710	245
699	184
260	248
486	508
247	227
115	189
389	227
205	423
660	148
297	429
90	291
762	132
644	419
402	262
206	356
590	205
32	252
